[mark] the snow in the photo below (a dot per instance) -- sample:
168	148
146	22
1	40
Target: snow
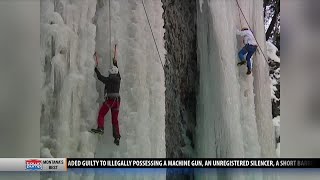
276	121
271	52
71	94
278	150
269	14
276	124
273	87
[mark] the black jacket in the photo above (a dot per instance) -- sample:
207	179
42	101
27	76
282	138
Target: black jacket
112	82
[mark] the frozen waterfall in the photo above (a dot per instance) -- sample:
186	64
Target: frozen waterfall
233	109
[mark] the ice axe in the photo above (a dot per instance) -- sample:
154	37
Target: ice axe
96	58
115	52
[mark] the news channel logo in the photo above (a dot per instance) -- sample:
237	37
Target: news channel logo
33	165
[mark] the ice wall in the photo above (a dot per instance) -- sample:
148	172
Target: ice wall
71	30
142	114
142	86
234	110
69	95
262	86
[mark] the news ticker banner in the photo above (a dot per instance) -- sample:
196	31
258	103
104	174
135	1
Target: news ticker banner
63	164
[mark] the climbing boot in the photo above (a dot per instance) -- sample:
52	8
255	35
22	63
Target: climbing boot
248	72
241	63
98	131
116	141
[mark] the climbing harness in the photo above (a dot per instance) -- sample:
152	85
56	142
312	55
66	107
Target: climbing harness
251	30
152	33
117	99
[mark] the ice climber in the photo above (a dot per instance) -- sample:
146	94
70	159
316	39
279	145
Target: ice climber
249	48
112	100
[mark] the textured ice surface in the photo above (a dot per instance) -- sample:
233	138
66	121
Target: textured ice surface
142	87
71	93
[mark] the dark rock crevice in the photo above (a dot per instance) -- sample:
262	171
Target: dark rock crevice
274	66
181	78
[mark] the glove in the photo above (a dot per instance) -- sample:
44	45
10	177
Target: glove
115	62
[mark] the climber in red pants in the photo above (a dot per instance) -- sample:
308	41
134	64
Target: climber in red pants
112	100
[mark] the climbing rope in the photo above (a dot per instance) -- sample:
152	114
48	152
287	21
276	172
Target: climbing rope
152	33
240	19
110	31
251	30
240	24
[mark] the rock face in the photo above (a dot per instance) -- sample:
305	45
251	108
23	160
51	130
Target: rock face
274	74
181	76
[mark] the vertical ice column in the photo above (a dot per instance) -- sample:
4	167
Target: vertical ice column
252	147
69	95
262	87
218	125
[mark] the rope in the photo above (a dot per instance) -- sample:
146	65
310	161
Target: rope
110	31
240	20
251	31
152	34
240	24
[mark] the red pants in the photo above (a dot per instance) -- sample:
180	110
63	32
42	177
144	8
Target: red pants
106	106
